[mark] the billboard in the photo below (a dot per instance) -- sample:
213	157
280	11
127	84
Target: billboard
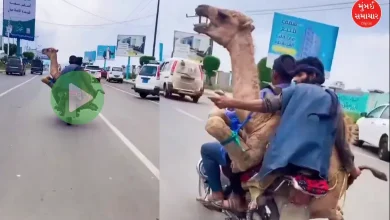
130	45
105	52
191	46
19	19
301	38
89	56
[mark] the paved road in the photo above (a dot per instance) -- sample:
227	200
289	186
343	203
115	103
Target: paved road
52	171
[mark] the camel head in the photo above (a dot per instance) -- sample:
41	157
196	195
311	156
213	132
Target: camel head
224	26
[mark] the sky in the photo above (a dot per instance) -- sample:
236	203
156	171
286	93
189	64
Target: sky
361	57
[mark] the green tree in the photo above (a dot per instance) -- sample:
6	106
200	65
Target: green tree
264	72
210	65
4	59
12	50
29	55
145	59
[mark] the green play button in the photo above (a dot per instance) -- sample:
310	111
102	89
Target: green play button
76	99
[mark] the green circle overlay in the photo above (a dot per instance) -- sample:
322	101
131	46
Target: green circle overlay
69	90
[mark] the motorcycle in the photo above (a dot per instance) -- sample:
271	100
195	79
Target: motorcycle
277	203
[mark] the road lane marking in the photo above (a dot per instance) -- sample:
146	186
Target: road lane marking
17	86
155	171
129	93
189	115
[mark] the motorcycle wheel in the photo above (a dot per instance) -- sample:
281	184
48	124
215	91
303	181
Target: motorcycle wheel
267	212
203	187
70	120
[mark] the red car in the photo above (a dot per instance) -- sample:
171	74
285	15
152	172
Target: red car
103	73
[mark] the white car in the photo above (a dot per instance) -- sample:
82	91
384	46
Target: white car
374	130
148	80
94	71
115	74
183	77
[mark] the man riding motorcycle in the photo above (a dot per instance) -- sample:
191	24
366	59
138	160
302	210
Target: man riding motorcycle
74	65
311	123
49	80
214	155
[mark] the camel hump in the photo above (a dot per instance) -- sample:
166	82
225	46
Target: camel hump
375	172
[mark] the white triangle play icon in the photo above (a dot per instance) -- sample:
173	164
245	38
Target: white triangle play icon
77	97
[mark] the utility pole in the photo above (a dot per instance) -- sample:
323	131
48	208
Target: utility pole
155	27
200	21
8	32
194	16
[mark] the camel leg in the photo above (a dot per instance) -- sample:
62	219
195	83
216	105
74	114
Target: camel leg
54	72
219	113
257	189
241	158
327	206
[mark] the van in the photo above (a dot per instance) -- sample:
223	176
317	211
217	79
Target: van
15	65
36	67
115	74
148	80
183	77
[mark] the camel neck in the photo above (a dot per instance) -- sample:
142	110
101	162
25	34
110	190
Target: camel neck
245	76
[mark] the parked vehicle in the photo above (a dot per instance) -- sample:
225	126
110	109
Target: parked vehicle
374	130
115	74
15	65
182	77
148	80
94	71
103	73
37	67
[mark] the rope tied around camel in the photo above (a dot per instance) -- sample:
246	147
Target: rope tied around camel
235	132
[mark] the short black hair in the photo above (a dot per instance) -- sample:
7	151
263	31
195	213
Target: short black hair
317	64
285	66
79	61
314	62
72	59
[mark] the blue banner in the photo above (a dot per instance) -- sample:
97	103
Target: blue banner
302	38
353	103
89	56
105	52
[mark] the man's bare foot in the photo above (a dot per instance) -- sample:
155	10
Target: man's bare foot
46	80
235	203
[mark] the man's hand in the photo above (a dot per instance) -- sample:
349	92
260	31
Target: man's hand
222	101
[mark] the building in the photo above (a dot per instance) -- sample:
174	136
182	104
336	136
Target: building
311	45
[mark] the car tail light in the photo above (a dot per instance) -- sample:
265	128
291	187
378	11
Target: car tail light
173	67
201	72
158	73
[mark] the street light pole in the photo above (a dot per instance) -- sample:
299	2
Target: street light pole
155	27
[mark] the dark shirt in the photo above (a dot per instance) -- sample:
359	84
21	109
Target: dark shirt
274	104
69	68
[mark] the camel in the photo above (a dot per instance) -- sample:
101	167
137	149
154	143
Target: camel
233	30
54	66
